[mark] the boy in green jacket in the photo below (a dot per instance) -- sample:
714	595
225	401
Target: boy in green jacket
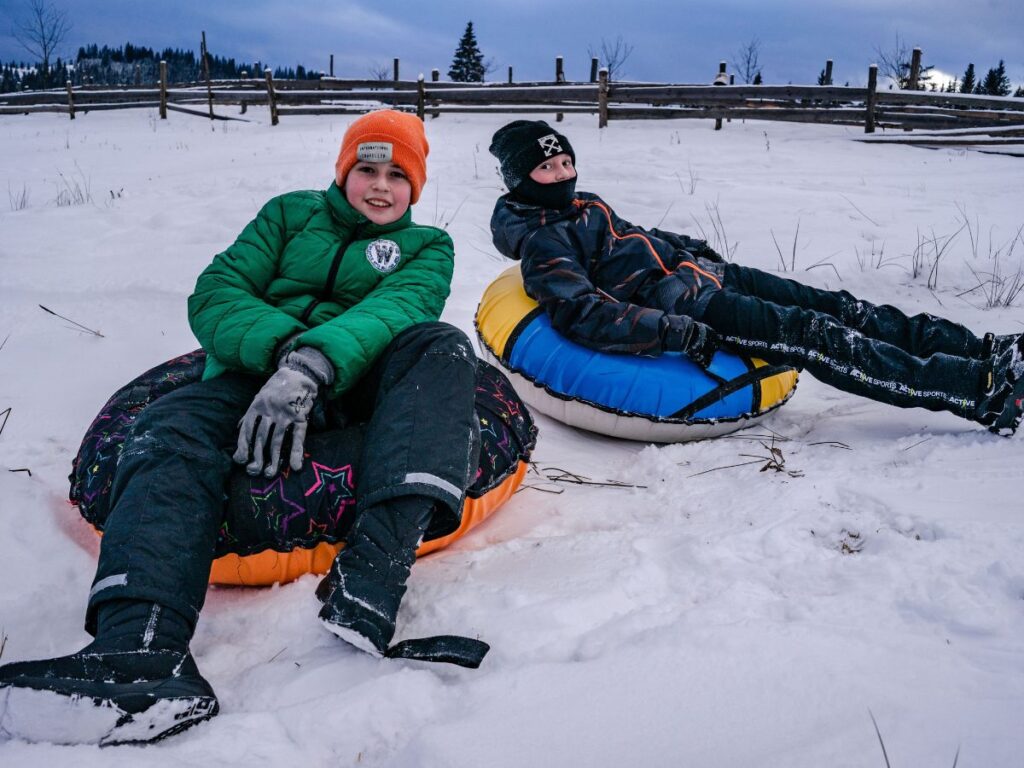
325	307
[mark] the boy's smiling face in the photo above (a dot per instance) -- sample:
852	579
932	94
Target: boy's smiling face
554	169
379	191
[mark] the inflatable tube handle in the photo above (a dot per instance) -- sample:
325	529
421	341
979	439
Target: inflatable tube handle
752	376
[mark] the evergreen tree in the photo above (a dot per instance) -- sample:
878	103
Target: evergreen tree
468	64
996	83
967	85
758	79
1019	93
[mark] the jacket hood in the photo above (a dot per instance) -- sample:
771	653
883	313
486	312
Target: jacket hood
512	222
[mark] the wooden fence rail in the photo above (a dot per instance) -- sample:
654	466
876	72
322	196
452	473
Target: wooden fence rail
610	101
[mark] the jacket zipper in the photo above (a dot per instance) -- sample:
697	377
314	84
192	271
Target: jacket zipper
332	277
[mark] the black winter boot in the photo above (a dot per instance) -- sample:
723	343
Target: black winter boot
1002	406
136	682
365	585
993	345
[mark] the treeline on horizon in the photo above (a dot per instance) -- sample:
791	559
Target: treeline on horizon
130	64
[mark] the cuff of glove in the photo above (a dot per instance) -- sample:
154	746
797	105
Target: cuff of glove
311	362
675	332
285	347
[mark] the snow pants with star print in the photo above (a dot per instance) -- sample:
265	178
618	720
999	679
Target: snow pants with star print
875	351
407	428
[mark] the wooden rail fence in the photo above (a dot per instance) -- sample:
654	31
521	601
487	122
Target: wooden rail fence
866	106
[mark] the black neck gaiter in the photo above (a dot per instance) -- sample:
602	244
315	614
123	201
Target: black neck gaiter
556	196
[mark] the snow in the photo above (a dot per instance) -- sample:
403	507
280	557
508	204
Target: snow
714	614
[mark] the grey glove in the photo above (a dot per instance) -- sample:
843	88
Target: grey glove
283	403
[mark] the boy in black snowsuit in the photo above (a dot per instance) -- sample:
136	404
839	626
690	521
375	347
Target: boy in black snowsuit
616	287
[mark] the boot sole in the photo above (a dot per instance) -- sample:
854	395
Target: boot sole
56	718
353	638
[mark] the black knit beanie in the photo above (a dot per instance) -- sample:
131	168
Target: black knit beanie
522	145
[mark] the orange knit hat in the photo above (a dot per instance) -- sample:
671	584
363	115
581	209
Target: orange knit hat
382	136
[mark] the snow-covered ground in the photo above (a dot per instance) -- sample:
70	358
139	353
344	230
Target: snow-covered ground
715	615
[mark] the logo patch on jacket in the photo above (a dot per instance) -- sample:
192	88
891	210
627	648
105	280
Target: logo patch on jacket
383	255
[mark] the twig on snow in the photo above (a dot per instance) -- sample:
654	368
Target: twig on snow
919	442
6	414
879	733
859	210
728	466
84	328
833	443
558	475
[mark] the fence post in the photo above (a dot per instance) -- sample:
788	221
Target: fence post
732	81
720	79
71	100
163	90
332	65
602	98
915	69
435	76
828	72
396	69
593	69
869	104
421	98
271	96
206	72
559	71
510	75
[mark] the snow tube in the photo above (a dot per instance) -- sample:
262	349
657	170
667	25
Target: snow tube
277	530
662	399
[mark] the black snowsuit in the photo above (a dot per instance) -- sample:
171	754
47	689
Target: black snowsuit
413	431
616	287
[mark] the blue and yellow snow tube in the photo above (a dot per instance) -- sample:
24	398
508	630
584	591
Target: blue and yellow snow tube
662	399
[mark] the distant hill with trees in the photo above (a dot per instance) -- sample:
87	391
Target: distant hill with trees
130	64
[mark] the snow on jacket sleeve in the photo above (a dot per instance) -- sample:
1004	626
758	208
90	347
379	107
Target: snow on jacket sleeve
227	314
555	278
414	293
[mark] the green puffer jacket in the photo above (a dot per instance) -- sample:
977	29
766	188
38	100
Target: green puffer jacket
310	264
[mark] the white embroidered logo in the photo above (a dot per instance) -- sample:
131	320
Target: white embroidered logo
550	145
374	152
383	255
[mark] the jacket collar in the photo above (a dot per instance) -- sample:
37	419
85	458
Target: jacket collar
349	217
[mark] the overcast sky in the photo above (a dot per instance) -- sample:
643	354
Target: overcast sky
672	40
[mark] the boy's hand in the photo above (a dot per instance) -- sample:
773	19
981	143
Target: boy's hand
697	341
283	403
704	341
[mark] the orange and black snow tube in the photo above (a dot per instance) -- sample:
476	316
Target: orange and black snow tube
280	529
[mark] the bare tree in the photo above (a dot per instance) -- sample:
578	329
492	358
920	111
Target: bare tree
612	55
747	62
894	63
380	71
40	31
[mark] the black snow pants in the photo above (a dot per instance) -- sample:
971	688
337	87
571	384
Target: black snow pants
413	432
874	351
